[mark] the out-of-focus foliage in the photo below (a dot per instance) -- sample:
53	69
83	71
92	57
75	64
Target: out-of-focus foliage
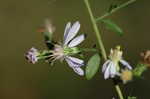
140	68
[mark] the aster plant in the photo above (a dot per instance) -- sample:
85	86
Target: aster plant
113	66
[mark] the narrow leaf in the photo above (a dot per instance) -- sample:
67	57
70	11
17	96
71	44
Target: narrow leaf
112	26
92	66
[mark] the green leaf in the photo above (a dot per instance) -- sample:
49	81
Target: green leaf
92	66
112	26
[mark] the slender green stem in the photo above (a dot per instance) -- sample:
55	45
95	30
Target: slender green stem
115	9
96	30
119	91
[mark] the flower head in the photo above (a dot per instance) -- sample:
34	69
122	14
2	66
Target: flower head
32	55
68	48
111	67
64	51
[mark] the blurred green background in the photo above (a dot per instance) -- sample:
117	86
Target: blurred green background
19	21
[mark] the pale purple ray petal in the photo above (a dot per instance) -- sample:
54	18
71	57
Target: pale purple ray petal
125	63
112	70
79	71
107	72
74	62
68	26
72	32
105	65
69	63
76	41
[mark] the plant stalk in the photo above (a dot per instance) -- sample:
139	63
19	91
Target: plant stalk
96	30
119	91
115	9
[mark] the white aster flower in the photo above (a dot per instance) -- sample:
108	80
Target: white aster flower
68	48
111	67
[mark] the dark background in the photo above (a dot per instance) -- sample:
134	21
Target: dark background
19	21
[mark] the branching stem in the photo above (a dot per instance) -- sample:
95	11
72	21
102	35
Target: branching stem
97	32
115	9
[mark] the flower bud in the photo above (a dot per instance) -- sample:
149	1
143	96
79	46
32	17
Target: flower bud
32	55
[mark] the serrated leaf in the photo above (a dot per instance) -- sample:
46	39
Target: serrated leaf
92	66
112	26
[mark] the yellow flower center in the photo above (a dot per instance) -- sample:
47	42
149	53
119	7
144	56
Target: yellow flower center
126	75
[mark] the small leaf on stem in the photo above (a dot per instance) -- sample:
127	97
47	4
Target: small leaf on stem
112	26
92	66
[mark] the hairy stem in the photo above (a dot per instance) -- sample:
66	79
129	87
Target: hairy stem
115	9
96	30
